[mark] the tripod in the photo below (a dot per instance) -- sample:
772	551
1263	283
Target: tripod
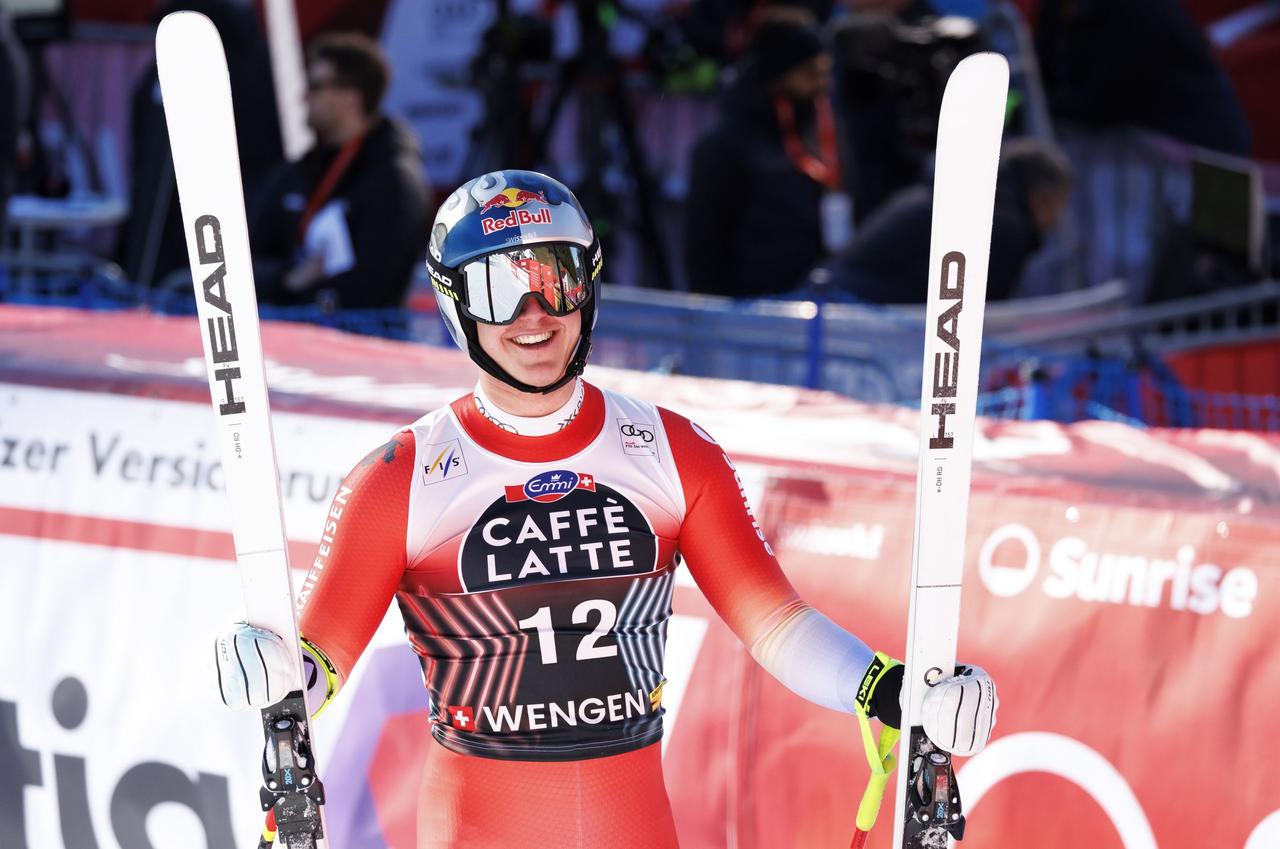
604	116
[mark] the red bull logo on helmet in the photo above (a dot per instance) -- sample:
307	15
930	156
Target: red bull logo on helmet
512	199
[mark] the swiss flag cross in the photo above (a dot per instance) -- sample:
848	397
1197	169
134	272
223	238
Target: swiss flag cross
586	481
460	718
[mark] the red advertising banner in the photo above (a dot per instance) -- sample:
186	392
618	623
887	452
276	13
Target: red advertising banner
1121	586
1128	642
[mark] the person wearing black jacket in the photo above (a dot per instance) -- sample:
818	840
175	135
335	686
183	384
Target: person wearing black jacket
1160	71
344	225
151	247
13	97
753	213
888	260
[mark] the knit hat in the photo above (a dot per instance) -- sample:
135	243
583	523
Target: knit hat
780	45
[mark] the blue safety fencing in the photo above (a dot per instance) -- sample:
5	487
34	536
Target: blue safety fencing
1135	389
869	353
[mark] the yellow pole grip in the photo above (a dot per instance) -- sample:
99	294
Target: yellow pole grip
869	809
882	761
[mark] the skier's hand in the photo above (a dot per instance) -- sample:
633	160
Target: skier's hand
880	693
960	711
254	668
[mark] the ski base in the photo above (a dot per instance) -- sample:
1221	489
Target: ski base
290	786
933	813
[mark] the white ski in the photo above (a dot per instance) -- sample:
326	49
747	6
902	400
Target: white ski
927	807
202	135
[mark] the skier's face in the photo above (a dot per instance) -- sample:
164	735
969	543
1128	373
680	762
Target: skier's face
536	347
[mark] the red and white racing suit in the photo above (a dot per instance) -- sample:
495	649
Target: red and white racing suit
534	574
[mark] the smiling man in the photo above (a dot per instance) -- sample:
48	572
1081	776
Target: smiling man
529	532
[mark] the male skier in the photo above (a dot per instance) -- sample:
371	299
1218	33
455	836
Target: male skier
530	532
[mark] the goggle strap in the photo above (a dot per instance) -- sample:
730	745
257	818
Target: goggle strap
447	281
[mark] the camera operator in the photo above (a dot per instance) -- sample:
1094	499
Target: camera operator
892	59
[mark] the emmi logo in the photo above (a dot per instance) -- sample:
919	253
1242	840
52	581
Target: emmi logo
946	364
222	331
143	788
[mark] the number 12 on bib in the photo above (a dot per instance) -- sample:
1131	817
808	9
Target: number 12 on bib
202	135
927	808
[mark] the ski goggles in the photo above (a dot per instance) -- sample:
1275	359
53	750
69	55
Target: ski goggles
493	288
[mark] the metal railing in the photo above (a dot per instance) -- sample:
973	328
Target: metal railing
1080	355
873	353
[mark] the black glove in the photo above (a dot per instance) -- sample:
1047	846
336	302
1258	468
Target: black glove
881	689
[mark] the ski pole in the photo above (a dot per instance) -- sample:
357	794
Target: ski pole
268	831
880	757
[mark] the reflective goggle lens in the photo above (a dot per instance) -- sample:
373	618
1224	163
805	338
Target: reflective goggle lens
498	283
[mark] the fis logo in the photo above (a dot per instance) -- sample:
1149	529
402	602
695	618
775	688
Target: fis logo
444	462
549	487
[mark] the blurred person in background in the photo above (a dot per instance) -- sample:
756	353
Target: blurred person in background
891	61
14	94
344	225
721	29
1159	71
754	212
888	260
152	248
537	597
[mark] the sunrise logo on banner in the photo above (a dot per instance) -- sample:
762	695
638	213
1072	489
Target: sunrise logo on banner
1076	570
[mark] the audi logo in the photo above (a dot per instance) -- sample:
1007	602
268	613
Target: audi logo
645	434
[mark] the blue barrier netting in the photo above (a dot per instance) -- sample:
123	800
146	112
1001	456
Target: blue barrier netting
869	353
